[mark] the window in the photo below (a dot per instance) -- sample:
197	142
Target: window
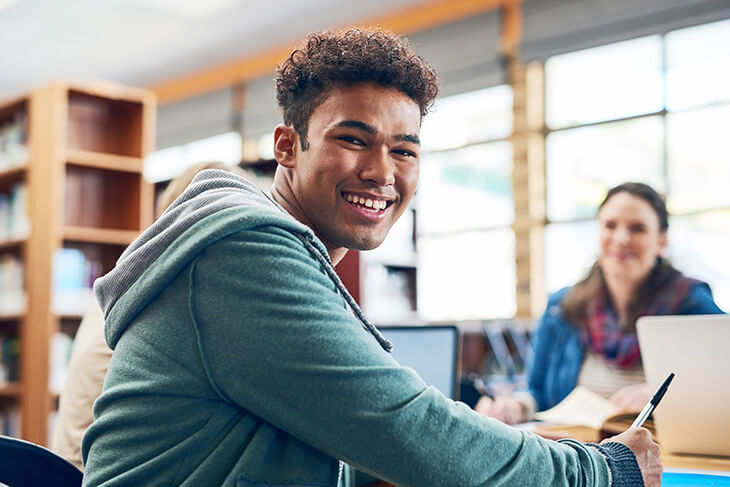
655	110
582	163
698	66
466	256
608	82
166	164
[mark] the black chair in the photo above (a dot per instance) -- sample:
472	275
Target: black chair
25	464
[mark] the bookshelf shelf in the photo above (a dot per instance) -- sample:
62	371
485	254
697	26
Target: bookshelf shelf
74	172
99	160
13	173
12	244
11	389
99	235
70	317
10	318
11	106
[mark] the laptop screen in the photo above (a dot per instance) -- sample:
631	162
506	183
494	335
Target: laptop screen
694	415
430	350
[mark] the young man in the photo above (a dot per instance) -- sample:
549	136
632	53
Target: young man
240	359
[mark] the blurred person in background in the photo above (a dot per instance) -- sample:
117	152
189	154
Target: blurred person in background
587	335
90	355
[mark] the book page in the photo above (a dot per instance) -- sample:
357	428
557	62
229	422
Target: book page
581	407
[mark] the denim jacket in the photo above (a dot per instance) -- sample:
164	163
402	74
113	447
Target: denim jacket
558	352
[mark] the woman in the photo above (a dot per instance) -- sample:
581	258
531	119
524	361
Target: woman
587	335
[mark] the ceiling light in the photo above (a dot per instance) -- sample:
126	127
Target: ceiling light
7	3
188	8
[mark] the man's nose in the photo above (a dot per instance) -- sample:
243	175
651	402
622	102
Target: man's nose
379	167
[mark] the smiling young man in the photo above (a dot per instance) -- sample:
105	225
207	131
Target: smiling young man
239	357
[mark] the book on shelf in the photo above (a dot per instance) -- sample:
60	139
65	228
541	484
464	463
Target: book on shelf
9	359
14	222
10	421
586	416
13	141
73	276
61	345
12	293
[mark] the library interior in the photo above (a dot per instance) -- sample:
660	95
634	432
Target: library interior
569	207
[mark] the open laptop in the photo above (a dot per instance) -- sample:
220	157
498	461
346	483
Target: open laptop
430	350
694	415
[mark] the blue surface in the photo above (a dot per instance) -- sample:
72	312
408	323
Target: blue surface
670	479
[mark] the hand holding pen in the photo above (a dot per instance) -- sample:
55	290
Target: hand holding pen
653	402
639	441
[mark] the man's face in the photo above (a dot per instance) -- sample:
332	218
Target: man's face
361	168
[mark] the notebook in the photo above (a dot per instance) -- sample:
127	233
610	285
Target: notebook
695	478
430	350
694	415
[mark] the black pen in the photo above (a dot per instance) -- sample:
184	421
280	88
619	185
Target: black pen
652	404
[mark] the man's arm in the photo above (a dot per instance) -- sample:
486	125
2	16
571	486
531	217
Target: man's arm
278	340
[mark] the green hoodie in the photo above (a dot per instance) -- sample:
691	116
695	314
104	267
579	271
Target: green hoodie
239	362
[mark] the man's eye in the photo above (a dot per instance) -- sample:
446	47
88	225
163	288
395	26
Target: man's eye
404	152
351	140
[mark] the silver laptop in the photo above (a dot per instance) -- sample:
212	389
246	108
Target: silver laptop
694	415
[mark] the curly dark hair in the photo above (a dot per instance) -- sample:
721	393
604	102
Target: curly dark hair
346	57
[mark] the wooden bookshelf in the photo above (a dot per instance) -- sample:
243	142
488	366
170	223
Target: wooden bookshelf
96	235
13	173
11	244
100	160
10	390
85	191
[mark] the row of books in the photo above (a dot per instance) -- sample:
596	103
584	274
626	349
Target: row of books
74	273
10	421
9	359
61	345
13	141
14	222
12	293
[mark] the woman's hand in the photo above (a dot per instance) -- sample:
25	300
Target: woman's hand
631	398
504	408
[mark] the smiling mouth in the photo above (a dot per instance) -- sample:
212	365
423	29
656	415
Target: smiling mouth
368	204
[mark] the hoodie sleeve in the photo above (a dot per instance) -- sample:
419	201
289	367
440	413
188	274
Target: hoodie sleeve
276	339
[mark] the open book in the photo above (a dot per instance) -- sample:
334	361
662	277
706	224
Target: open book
586	416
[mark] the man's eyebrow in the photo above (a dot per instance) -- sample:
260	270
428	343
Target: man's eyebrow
408	138
372	131
358	125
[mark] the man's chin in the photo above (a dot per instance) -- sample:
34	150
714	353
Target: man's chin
363	243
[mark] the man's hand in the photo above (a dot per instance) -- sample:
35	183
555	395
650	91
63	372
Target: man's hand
504	408
646	452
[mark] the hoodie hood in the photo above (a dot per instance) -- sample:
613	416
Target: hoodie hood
216	204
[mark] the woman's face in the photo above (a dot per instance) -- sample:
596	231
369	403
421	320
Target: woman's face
630	238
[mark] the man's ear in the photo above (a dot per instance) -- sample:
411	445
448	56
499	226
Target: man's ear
286	142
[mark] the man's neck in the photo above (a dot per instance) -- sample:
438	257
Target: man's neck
282	193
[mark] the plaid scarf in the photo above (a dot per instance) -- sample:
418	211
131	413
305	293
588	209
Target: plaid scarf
605	336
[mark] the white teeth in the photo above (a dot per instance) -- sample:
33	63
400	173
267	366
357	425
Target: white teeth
367	202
